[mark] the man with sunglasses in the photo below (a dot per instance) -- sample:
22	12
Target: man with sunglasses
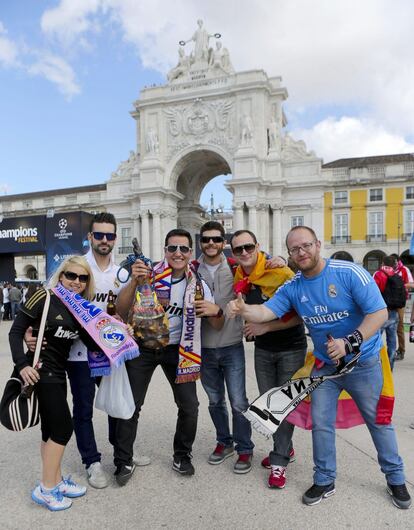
177	279
280	346
102	238
223	355
339	299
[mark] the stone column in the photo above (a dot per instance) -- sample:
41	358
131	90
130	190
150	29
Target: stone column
145	243
263	226
157	253
237	218
278	237
252	218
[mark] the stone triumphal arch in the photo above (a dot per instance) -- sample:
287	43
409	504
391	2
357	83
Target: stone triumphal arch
209	120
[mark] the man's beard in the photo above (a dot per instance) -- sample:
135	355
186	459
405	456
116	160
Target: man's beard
102	252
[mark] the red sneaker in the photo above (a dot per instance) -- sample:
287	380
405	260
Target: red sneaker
277	477
266	460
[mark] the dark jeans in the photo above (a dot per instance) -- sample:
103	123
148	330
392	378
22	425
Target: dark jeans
273	369
83	388
227	366
140	371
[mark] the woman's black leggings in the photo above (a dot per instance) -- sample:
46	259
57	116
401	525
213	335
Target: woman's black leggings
55	416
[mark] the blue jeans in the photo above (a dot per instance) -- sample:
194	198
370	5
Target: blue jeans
83	392
274	369
364	384
226	366
390	328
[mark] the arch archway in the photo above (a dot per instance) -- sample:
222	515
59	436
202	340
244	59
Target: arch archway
372	261
190	174
407	259
31	273
343	255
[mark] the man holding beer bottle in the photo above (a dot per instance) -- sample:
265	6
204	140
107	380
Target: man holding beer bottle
177	286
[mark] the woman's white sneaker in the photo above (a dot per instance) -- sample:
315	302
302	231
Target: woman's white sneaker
96	476
70	489
52	499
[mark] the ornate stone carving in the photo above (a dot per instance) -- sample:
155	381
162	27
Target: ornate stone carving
127	167
151	141
203	61
201	122
246	130
293	150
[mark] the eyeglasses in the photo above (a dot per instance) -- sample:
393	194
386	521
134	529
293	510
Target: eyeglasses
214	239
72	276
249	248
100	235
294	251
178	248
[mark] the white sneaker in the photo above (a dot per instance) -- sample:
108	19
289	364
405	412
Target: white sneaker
69	488
96	476
141	460
52	499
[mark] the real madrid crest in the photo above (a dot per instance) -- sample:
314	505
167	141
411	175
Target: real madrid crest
111	333
332	290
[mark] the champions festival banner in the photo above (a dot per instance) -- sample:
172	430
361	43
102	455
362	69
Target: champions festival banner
65	235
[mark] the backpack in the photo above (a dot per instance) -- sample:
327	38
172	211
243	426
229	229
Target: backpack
394	293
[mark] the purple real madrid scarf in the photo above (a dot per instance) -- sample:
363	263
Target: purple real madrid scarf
110	335
189	362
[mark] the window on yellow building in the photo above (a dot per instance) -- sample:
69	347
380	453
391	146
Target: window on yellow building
341	227
409	222
409	192
375	194
376	225
341	197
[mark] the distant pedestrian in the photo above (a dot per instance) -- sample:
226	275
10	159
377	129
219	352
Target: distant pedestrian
15	296
408	280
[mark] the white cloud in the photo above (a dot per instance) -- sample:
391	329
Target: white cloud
351	137
328	53
8	49
58	71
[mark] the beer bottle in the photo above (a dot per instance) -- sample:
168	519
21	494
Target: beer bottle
110	306
199	291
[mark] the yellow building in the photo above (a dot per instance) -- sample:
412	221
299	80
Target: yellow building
369	207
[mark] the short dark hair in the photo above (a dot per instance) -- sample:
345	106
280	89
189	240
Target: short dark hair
102	217
238	233
179	232
212	225
396	256
295	228
389	261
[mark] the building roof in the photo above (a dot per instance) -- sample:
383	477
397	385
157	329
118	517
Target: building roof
370	160
51	193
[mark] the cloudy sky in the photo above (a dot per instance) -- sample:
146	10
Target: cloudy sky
70	70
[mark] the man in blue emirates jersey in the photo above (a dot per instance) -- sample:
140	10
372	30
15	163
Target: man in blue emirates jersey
339	299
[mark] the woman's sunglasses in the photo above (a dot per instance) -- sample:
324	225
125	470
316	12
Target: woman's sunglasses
214	239
249	248
178	248
100	235
72	276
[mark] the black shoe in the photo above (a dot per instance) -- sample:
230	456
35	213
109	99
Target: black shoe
399	355
183	466
316	493
124	473
400	496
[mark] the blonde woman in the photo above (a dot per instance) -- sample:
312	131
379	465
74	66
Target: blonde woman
54	491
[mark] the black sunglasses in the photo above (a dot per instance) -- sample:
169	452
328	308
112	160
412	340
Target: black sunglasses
181	248
100	235
249	248
72	276
214	239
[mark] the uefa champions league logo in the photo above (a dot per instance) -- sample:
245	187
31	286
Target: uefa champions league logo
63	224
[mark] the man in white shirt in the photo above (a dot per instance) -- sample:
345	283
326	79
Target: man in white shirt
102	238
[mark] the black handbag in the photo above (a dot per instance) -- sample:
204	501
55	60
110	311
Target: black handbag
19	408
